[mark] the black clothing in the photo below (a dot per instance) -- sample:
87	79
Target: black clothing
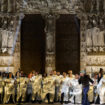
99	78
85	80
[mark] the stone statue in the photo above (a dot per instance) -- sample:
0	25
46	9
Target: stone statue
11	6
4	40
94	6
4	5
10	41
95	33
89	35
100	5
101	36
50	42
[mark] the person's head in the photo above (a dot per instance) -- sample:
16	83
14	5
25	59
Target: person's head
70	72
44	75
54	72
36	73
76	76
33	71
58	73
82	73
101	71
64	74
17	74
95	75
51	73
10	75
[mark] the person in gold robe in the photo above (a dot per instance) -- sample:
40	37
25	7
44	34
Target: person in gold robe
48	88
9	90
21	88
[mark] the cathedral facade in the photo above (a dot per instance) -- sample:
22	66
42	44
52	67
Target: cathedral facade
91	16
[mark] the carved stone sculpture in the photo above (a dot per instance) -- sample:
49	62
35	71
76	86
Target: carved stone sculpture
89	35
4	40
50	42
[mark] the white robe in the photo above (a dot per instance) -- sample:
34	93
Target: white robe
77	91
101	91
65	88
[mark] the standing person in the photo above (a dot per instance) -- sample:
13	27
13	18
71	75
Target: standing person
95	79
101	90
70	74
36	88
77	91
71	77
100	75
84	80
21	88
64	88
58	87
9	90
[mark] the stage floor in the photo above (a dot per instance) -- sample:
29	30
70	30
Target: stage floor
45	104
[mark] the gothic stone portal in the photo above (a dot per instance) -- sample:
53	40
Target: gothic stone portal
33	44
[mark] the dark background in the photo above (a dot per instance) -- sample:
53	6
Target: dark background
33	44
68	43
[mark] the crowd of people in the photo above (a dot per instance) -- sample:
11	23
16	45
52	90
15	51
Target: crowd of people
55	87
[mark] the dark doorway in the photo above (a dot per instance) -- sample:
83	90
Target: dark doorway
68	43
33	44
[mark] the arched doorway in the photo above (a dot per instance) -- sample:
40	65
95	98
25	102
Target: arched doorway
33	44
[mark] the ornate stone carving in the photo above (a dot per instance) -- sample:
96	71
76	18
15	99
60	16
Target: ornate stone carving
50	41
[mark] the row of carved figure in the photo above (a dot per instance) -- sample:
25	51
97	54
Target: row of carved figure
95	32
95	60
88	5
50	4
6	60
7	6
7	23
7	41
91	69
94	5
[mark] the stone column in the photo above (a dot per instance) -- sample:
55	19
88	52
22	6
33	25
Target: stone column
83	53
50	42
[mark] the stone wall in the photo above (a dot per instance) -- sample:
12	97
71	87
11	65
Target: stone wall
90	12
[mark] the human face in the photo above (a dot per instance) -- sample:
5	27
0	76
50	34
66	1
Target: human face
64	74
54	72
76	76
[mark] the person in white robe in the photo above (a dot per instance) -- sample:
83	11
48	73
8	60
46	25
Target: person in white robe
77	91
64	88
101	90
